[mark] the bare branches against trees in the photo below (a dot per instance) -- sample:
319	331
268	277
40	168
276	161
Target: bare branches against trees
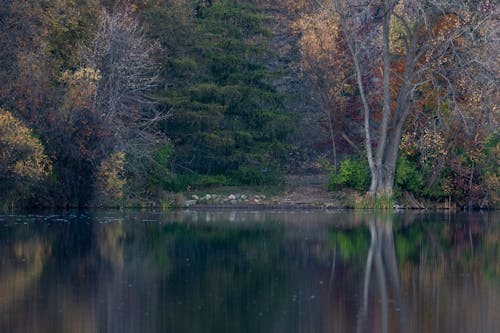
403	49
127	62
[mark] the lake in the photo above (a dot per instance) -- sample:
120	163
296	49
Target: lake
250	271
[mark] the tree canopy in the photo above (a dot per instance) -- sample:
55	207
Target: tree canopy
132	99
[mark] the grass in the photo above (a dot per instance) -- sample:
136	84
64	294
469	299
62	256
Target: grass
382	201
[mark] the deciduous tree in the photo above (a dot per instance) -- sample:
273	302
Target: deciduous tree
400	47
23	162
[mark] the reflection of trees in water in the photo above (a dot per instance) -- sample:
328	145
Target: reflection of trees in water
417	272
21	265
224	277
264	275
381	260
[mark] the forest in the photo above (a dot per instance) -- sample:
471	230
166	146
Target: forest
119	103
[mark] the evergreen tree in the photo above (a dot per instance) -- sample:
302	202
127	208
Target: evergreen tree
226	116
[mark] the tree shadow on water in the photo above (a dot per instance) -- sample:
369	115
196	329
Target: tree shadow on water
382	304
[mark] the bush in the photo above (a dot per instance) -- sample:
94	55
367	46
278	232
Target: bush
353	172
110	181
158	171
491	170
408	177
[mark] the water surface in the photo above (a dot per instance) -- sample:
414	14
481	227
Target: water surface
261	271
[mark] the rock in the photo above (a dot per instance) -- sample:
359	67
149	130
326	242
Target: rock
243	197
195	197
231	197
234	202
190	203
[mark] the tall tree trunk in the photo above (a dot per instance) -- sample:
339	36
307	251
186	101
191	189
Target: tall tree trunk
380	183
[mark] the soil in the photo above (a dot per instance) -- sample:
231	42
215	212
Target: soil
308	191
300	192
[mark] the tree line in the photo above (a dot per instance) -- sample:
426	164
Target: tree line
114	102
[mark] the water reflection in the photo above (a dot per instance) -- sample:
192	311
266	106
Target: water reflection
382	259
260	271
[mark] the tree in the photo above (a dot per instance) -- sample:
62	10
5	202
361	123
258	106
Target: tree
227	117
325	63
23	162
127	64
103	109
401	48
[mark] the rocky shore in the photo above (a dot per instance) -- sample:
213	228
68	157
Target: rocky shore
301	192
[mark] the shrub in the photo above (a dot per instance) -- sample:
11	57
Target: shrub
491	170
353	172
158	171
408	177
110	181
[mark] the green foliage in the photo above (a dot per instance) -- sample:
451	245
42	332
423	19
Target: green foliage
158	172
408	244
490	165
225	112
353	244
408	177
353	172
259	174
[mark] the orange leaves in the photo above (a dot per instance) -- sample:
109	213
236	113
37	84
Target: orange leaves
445	24
321	43
324	56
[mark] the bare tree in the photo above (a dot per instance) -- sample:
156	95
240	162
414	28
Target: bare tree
402	48
127	64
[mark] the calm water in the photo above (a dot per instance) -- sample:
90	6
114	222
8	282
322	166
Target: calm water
262	271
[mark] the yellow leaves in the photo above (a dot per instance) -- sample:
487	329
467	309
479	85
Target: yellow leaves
87	74
110	179
431	145
82	86
323	52
295	6
321	40
22	154
408	145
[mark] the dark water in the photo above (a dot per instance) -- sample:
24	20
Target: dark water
250	272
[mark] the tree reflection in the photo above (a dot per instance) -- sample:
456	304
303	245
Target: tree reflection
381	260
256	272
